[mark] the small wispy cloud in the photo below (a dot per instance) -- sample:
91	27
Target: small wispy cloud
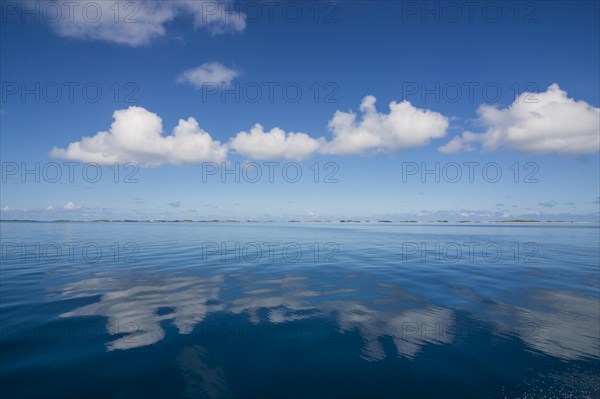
210	73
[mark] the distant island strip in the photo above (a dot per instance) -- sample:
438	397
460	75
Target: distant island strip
289	221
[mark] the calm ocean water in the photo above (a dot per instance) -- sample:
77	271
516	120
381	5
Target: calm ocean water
307	310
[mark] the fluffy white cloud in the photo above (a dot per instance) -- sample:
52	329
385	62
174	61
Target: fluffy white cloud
208	73
405	126
136	23
555	123
70	206
548	122
136	136
258	144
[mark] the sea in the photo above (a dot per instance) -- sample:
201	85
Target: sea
299	310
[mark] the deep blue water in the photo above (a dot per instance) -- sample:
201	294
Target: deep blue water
251	310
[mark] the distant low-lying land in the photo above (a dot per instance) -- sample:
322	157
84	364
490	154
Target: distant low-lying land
289	221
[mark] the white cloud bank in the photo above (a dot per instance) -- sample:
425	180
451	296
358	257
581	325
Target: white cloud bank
136	136
405	126
137	23
208	73
548	122
258	144
555	123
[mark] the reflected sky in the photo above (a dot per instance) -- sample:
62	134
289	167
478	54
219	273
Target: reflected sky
560	324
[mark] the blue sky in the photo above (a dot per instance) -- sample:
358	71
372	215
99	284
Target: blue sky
460	73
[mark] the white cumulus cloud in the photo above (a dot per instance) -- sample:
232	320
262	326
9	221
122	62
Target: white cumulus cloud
208	73
137	23
553	123
70	206
136	136
276	143
535	123
404	126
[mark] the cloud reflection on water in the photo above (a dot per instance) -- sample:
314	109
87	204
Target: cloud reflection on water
567	328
